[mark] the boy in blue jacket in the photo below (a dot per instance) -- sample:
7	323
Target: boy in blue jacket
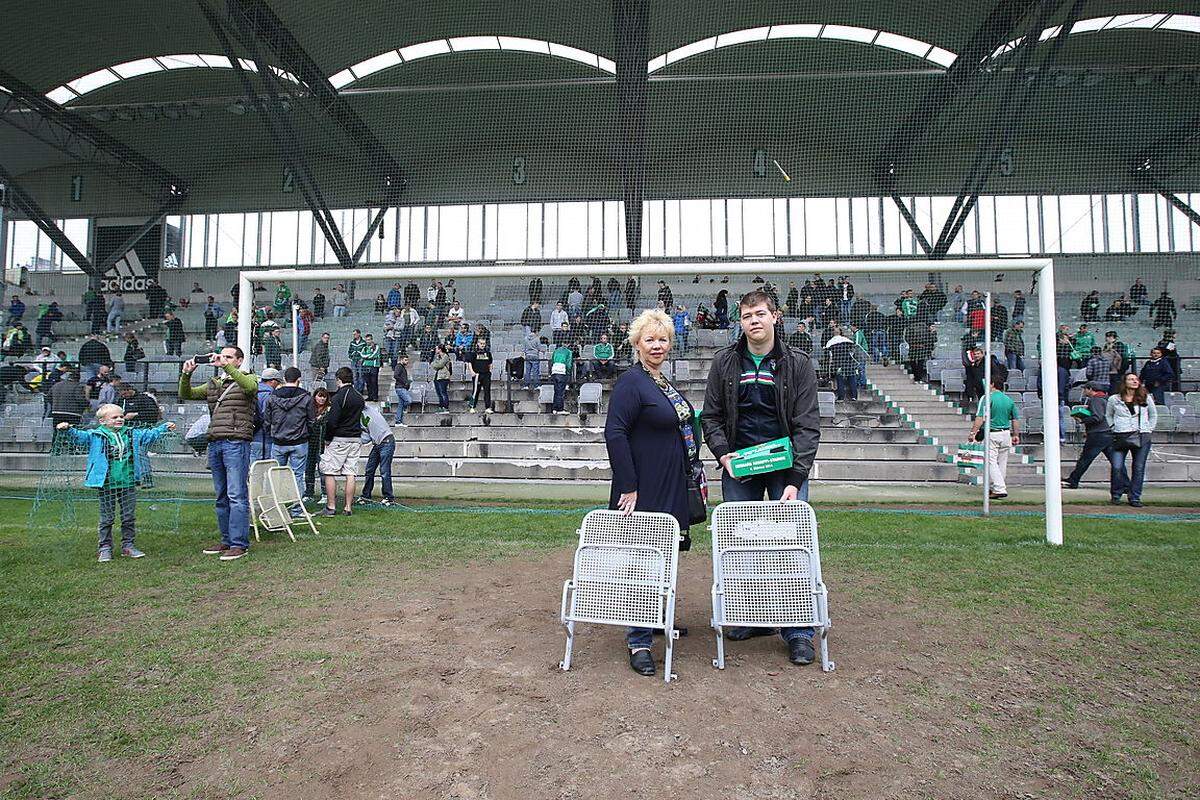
116	464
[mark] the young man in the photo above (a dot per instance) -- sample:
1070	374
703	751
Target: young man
1014	346
1003	434
175	335
604	358
403	387
319	359
260	446
343	427
230	396
561	362
383	448
1097	434
354	353
288	418
759	389
371	360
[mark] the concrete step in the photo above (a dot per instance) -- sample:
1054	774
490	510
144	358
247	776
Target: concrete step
426	448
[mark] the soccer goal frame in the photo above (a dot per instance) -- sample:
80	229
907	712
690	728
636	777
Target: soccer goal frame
1042	268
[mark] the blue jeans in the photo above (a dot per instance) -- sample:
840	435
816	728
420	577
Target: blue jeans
403	400
1121	482
1014	361
879	348
533	373
443	393
560	391
1093	445
294	456
360	381
772	485
380	459
847	386
393	347
339	311
229	463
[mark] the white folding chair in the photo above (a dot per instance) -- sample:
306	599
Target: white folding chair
262	499
287	497
767	571
624	575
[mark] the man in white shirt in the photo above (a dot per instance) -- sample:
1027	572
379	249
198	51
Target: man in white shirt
557	317
339	301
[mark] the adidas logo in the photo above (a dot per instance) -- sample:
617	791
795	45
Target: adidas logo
127	274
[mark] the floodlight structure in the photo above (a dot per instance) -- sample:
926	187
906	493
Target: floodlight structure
1041	269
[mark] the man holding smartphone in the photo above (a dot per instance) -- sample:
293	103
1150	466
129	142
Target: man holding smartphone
760	390
230	395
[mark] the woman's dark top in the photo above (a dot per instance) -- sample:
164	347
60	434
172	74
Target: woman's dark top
645	450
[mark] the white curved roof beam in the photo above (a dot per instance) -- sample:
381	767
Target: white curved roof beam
1156	21
847	33
92	81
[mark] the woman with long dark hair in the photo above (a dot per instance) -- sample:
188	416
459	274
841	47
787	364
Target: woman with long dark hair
1132	415
653	445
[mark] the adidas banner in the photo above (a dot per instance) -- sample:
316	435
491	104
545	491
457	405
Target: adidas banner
134	267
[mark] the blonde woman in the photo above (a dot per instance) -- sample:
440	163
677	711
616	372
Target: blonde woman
651	444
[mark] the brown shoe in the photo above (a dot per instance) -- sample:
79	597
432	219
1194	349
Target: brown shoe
215	549
233	554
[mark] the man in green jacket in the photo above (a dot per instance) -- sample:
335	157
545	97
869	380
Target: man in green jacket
561	363
354	353
231	406
371	358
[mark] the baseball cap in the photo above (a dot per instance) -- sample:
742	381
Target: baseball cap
271	374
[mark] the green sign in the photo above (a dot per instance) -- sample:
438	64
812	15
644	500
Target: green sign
765	457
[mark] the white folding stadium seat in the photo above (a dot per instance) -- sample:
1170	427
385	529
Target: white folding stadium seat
767	571
546	394
624	575
589	395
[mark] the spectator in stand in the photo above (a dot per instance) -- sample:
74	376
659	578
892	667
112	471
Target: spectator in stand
230	396
94	384
380	304
558	316
1132	414
531	318
1157	377
441	365
133	353
666	295
288	418
561	363
156	299
116	312
283	300
1014	346
801	340
894	326
383	448
371	360
137	406
1097	435
273	349
212	318
921	341
16	310
428	342
845	297
1171	353
92	355
354	353
533	351
395	297
45	323
1018	309
318	303
1120	310
1137	292
973	369
721	309
1089	307
316	443
175	335
319	359
95	312
574	302
683	325
68	399
1081	345
343	430
456	313
464	343
17	341
403	389
1003	434
976	319
632	290
341	301
792	307
842	366
1114	353
260	444
230	328
12	375
958	302
1162	311
604	367
481	368
110	392
1098	365
412	294
999	320
1064	358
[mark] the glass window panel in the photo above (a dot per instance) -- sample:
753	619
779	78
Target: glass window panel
403	225
695	228
534	227
78	232
1097	232
452	233
1163	211
734	229
654	227
1034	214
230	236
820	223
860	239
1051	233
896	236
779	222
1130	203
45	251
622	242
595	229
1194	202
982	235
671	228
614	221
385	248
491	232
213	229
842	225
720	245
758	229
511	234
1148	223
1012	226
416	233
474	232
250	240
1114	207
1183	229
284	226
265	249
433	226
572	230
550	230
796	226
874	226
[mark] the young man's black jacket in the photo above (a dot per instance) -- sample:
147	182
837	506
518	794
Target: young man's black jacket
345	414
796	404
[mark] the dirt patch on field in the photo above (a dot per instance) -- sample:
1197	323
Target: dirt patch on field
447	686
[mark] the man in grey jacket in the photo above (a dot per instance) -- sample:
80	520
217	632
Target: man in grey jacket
1097	436
759	390
383	447
288	420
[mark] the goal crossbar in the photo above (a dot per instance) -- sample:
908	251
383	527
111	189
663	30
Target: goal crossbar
1043	268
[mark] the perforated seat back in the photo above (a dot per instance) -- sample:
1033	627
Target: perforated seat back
623	567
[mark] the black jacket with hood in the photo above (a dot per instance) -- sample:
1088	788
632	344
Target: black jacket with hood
289	415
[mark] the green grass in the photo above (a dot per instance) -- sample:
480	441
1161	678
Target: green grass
137	662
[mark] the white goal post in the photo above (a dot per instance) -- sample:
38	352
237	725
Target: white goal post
1043	268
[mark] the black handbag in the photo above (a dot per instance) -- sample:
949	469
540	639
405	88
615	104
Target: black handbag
1129	441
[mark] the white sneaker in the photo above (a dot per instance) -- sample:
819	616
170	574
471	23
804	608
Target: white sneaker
401	425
